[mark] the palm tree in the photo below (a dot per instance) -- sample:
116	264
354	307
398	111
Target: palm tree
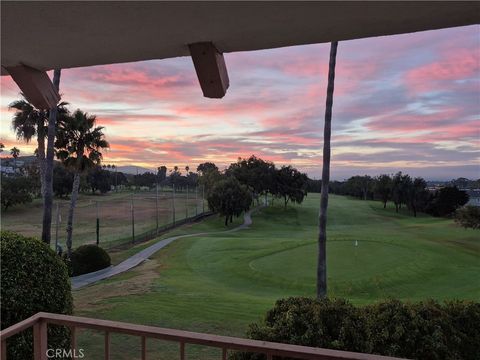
49	154
79	143
322	235
28	122
187	169
14	152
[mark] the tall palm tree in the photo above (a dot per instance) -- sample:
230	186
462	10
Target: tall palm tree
14	152
28	122
79	143
322	234
49	154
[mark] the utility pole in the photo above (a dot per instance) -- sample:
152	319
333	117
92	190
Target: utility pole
98	226
173	204
196	200
156	205
133	222
203	198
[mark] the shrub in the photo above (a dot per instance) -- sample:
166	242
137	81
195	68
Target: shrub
16	190
426	330
33	279
468	217
88	258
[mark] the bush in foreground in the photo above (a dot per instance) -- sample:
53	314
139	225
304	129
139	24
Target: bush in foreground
33	279
426	330
88	258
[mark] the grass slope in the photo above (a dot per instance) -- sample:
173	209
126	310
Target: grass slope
221	283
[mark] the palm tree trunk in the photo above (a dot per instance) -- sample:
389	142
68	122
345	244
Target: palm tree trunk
48	196
41	157
322	236
73	203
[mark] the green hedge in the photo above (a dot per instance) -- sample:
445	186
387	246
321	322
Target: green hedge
33	279
88	258
426	330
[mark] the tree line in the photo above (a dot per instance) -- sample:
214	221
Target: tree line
402	190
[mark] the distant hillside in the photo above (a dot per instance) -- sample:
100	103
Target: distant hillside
130	169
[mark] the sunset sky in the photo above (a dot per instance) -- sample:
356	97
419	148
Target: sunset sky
406	102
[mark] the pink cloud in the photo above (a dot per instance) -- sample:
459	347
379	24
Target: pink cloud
463	64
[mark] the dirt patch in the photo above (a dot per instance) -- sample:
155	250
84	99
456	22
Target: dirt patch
138	281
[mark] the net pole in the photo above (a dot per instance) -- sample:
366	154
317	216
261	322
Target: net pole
156	206
56	227
173	204
186	206
98	225
133	220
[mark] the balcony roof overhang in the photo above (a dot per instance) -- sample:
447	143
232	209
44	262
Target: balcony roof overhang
62	34
37	36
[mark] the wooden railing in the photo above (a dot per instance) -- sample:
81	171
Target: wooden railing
41	320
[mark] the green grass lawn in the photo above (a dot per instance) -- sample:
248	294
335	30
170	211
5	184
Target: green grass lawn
221	283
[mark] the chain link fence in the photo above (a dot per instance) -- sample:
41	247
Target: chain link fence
126	217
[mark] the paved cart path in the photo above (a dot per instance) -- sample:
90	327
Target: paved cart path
90	278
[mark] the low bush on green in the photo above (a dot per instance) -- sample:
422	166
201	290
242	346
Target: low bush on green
88	258
426	330
33	279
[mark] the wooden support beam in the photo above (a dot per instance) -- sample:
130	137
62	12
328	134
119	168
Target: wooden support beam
211	69
36	86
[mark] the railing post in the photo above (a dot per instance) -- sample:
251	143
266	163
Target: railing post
269	356
40	340
4	350
107	345
144	348
224	354
182	351
73	338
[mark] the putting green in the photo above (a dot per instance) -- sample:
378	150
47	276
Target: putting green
363	259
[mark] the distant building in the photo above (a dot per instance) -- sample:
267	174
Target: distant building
8	166
6	169
474	201
474	195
